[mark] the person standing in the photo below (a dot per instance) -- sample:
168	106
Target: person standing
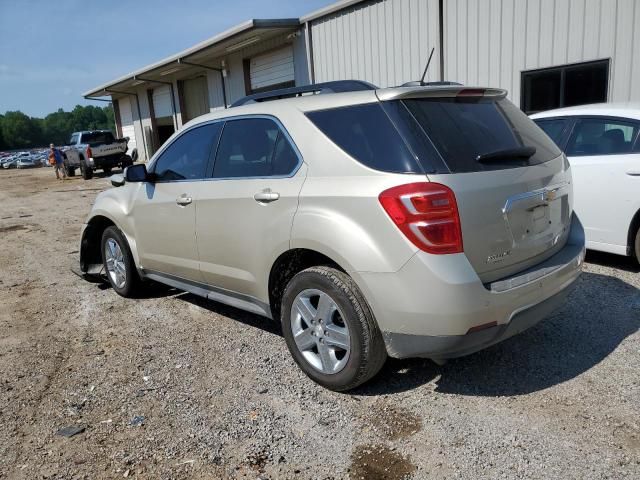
56	159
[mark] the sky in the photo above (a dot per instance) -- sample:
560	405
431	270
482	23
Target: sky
52	51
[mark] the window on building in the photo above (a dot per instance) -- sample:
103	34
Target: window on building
601	136
564	86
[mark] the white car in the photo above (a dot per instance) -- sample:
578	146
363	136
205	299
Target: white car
602	144
28	162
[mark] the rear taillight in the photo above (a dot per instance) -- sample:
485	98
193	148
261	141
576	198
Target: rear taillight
89	153
427	213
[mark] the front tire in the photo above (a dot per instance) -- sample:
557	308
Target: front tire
637	246
330	330
71	172
118	263
107	170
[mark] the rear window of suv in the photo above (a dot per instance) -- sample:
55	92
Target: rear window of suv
366	133
462	128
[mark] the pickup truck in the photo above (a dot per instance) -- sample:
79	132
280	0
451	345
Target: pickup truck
95	150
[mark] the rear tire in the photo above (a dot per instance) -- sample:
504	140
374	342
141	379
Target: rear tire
349	315
107	170
637	246
71	172
87	172
127	161
118	263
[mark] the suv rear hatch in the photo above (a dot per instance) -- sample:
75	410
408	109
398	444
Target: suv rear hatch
510	180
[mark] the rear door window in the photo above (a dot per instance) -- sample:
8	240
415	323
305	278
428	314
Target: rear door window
602	136
462	128
366	133
553	127
254	147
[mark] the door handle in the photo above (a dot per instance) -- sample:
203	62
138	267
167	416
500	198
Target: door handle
266	196
634	173
184	200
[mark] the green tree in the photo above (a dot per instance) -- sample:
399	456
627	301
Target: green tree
18	130
3	145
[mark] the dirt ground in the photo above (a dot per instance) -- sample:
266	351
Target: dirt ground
173	386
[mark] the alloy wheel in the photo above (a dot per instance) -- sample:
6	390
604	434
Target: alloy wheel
320	332
115	263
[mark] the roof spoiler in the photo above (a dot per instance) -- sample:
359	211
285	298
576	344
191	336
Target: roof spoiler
315	88
439	91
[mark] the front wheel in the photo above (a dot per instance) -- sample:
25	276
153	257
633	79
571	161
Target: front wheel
637	246
71	172
107	170
118	263
330	330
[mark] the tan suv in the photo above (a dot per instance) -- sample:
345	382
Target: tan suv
412	221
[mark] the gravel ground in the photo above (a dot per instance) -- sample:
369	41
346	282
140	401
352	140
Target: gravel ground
173	386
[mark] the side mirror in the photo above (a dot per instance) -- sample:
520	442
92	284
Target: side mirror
136	173
117	180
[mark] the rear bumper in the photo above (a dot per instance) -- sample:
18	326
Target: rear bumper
401	345
108	161
433	306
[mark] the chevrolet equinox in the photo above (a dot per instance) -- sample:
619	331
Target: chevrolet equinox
423	221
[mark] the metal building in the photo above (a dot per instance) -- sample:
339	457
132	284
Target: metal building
546	53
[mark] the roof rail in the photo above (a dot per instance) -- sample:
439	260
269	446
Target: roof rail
317	88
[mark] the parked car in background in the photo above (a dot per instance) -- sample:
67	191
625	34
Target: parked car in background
10	163
411	222
95	150
602	143
28	162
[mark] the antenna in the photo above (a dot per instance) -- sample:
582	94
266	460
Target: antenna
427	67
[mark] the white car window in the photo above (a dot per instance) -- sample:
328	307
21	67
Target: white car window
602	136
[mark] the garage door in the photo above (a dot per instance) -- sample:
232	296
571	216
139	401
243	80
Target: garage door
126	121
196	97
272	69
162	102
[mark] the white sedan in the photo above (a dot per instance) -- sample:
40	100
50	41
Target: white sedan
602	144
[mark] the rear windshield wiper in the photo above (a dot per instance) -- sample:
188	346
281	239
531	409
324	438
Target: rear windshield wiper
506	154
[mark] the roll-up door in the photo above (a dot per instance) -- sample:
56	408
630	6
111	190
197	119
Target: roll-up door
196	97
162	102
272	69
126	121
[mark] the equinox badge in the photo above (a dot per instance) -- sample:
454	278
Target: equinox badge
498	257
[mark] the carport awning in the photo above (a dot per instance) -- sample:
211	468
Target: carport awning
206	53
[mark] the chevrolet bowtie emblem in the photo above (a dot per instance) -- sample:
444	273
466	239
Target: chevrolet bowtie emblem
550	195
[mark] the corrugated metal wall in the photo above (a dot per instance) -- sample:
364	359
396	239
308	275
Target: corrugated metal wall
491	42
235	78
386	42
271	68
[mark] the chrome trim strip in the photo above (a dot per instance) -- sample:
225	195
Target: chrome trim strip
536	198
